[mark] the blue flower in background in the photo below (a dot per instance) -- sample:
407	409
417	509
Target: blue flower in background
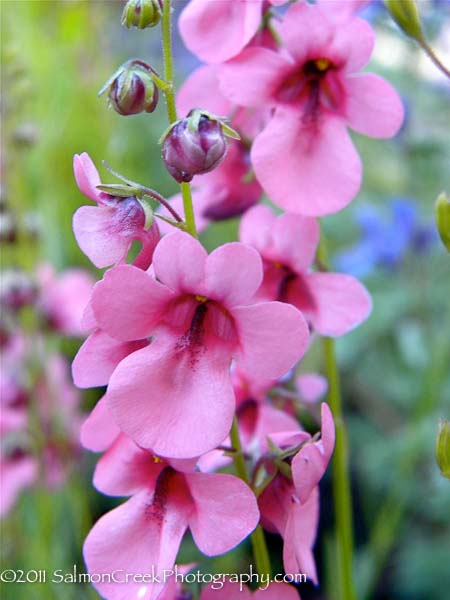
386	237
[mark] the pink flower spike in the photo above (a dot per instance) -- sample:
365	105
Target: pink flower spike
310	463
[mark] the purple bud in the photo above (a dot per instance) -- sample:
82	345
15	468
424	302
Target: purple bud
194	145
17	290
141	13
131	90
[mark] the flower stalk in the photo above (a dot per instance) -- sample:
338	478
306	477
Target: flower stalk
169	93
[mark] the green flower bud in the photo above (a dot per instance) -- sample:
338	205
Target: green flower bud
141	13
442	217
406	15
131	90
443	448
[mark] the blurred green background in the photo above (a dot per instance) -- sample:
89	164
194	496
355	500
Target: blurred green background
55	55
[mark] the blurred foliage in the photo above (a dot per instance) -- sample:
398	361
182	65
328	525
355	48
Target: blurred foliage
55	56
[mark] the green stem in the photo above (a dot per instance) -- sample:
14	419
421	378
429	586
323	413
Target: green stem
432	56
341	479
169	93
258	540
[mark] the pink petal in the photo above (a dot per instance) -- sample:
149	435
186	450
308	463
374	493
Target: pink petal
98	357
16	475
341	303
277	591
135	538
306	32
126	469
219	526
304	169
229	591
177	402
311	387
253	78
233	273
128	303
216	31
296	239
201	88
352	44
179	262
273	337
373	106
99	431
256	227
310	463
92	229
86	176
299	537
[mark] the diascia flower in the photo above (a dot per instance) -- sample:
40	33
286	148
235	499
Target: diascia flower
304	158
333	303
175	396
291	507
167	499
105	232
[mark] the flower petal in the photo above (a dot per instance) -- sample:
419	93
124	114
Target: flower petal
134	538
178	402
86	176
253	78
341	303
273	337
295	240
99	430
216	31
256	227
373	106
128	303
92	229
310	170
202	88
233	273
219	526
179	262
98	357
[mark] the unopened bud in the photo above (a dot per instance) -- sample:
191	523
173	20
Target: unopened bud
194	145
442	217
443	448
17	290
141	13
131	90
405	13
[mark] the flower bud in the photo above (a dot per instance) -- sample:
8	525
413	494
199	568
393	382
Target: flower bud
194	145
443	448
406	15
141	13
442	216
131	90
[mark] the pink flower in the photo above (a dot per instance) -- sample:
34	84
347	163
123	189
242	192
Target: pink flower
216	31
175	395
291	508
333	303
17	472
105	232
167	499
304	158
311	387
63	298
232	591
